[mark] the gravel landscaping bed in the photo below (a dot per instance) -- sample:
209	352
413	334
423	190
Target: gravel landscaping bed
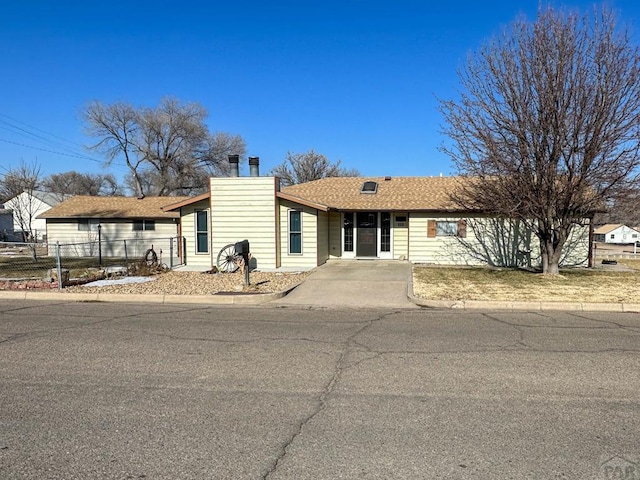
198	283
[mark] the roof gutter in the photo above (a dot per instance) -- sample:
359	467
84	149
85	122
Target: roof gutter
302	201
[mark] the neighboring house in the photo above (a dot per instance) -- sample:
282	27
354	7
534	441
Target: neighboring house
616	233
6	224
302	226
26	209
125	226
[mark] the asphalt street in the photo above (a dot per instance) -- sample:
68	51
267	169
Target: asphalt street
131	391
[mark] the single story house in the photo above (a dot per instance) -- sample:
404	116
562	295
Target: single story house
27	208
124	226
303	226
616	233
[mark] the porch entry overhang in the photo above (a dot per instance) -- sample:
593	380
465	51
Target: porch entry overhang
367	234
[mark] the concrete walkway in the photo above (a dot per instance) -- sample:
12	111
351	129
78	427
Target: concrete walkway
358	284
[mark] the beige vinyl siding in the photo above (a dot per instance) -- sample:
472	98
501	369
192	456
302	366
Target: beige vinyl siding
576	250
489	241
323	237
310	231
188	219
118	239
451	250
429	250
244	208
335	235
400	237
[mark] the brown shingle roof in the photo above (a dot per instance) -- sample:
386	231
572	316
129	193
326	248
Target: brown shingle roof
398	193
113	207
610	227
604	229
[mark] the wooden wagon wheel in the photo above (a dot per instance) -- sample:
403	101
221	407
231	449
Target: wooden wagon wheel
150	257
228	261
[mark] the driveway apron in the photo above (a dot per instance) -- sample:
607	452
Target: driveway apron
354	283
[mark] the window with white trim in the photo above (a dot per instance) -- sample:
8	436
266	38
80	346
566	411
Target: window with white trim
385	231
446	229
202	231
348	232
295	232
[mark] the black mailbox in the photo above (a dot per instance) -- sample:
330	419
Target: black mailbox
242	248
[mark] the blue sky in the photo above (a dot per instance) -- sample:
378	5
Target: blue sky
355	80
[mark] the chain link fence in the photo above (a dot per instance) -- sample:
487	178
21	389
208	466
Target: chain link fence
40	265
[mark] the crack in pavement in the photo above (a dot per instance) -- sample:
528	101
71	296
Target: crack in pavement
609	322
13	337
224	340
517	328
326	391
39	305
102	320
530	348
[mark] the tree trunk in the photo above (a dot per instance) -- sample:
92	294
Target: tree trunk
551	252
549	266
138	181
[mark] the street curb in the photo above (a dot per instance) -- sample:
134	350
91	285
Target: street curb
240	299
261	298
536	306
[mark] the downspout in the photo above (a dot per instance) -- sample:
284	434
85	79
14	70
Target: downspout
276	189
408	239
328	236
179	239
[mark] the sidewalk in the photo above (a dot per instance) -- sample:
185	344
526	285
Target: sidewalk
336	284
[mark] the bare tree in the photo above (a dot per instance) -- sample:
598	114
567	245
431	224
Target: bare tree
18	187
623	208
25	177
170	145
497	242
305	167
74	183
215	154
117	127
548	123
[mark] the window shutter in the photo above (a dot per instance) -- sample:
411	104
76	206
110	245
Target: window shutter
462	228
431	229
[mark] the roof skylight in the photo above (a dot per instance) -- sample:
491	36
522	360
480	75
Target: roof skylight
369	187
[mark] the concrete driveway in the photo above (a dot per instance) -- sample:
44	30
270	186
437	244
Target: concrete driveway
354	283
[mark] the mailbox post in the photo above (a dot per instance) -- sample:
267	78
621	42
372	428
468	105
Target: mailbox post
242	248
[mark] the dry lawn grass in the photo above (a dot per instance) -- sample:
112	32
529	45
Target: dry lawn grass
600	285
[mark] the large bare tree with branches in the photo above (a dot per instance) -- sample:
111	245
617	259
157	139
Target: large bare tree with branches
548	123
168	149
17	188
308	166
26	177
74	183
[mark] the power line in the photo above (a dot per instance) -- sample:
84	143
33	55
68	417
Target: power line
52	146
83	157
38	129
